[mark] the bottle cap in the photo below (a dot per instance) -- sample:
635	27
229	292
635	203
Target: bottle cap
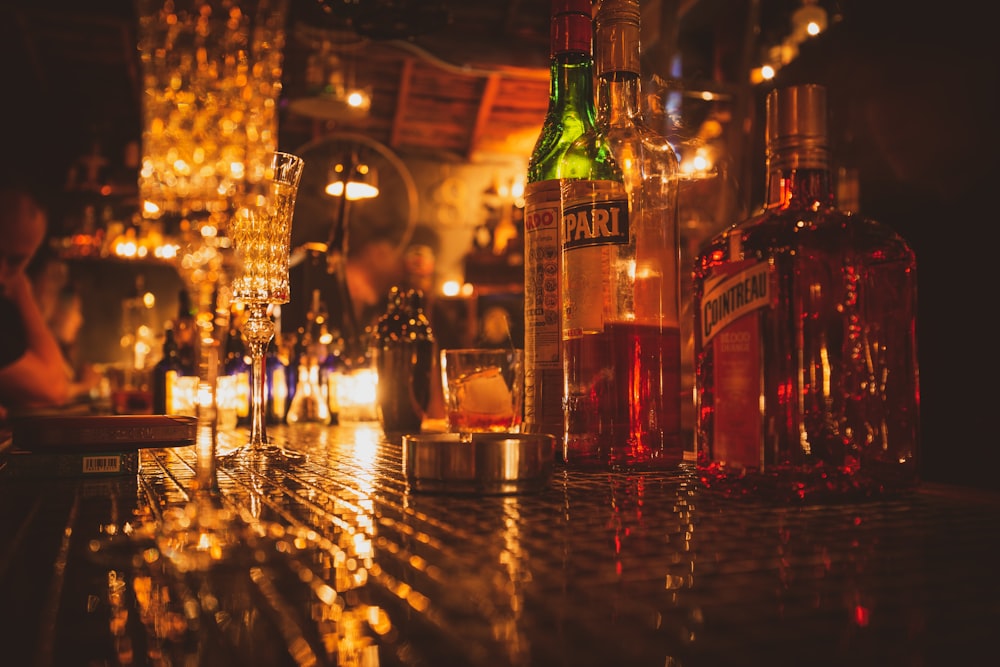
618	10
572	27
796	116
617	28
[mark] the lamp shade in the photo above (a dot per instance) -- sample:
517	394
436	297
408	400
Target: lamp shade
360	181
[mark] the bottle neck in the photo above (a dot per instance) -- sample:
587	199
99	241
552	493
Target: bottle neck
799	179
571	85
617	63
618	98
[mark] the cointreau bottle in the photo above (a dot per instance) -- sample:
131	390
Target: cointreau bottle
805	347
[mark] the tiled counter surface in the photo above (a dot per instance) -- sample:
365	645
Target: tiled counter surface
334	562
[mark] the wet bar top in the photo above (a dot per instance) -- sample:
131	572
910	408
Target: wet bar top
335	562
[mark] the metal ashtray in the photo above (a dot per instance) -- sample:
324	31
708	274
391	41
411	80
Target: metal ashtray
478	463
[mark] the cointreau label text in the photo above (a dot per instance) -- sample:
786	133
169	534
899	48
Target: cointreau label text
733	297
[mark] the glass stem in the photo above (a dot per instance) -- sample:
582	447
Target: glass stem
258	330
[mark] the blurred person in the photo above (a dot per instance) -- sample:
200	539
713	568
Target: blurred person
32	369
66	321
49	274
354	297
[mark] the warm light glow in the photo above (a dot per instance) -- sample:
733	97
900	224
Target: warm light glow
126	248
355	190
451	288
167	251
361	184
228	399
182	395
699	165
205	392
358	99
356	395
808	20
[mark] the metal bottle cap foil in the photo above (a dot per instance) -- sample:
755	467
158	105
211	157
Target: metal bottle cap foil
478	463
571	27
796	119
617	33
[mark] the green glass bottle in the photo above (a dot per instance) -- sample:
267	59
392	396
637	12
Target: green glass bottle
571	112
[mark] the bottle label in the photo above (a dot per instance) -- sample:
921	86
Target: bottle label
595	221
542	326
595	224
731	324
730	298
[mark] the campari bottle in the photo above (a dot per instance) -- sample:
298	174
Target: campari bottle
620	271
806	374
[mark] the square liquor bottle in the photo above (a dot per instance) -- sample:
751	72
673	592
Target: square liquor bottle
806	377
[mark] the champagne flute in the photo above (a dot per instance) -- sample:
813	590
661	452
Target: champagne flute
262	241
211	78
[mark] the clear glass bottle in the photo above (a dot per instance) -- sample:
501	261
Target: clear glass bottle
571	112
165	372
236	365
308	403
620	275
805	335
185	331
331	367
275	385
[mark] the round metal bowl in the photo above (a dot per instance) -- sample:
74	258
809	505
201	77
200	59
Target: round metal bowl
478	463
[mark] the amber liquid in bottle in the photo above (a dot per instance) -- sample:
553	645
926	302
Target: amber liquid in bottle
805	352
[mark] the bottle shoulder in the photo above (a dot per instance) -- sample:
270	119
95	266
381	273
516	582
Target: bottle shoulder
571	112
805	232
644	153
558	134
591	156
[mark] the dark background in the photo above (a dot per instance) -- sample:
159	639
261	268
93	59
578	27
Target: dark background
914	97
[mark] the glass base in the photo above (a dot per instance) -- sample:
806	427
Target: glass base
254	454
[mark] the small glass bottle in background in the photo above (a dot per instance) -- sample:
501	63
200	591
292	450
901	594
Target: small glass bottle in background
403	351
275	385
621	271
308	403
331	367
165	373
236	365
185	330
805	334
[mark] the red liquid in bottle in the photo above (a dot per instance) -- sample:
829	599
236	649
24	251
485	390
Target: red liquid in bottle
622	408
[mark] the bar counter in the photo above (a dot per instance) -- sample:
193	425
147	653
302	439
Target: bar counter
334	561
